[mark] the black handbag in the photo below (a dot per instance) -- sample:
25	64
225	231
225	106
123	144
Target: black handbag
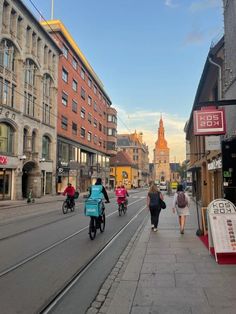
163	204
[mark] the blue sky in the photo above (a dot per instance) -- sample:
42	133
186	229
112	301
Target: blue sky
149	55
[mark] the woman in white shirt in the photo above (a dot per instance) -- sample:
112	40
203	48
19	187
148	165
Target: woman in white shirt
181	204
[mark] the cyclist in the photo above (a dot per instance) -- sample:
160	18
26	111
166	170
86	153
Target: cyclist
70	192
98	191
121	194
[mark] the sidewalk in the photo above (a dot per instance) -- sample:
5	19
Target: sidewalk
166	272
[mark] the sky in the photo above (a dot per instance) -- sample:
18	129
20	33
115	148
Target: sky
149	54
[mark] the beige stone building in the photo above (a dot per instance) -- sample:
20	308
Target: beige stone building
28	104
161	156
138	151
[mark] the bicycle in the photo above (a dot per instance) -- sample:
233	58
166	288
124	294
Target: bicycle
95	209
68	204
122	205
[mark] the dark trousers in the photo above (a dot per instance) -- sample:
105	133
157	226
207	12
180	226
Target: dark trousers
154	212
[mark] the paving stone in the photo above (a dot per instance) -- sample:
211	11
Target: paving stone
170	296
156	280
164	267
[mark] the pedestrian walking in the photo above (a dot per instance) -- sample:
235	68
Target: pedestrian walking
181	204
154	205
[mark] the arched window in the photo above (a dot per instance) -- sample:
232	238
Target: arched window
6	139
7	54
46	147
30	71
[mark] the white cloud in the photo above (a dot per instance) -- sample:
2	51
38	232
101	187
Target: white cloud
148	122
204	5
170	3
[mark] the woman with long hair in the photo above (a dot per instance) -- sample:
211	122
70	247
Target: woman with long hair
153	203
181	204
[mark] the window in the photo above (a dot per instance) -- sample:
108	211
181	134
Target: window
74	128
100	96
109	118
74	85
74	64
64	75
95	106
89	136
90	118
46	113
83	158
65	51
64	99
95	89
6	139
89	101
100	127
95	123
7	55
82	93
29	108
82	113
46	147
33	142
89	82
30	69
82	73
74	106
111	132
95	139
64	122
82	132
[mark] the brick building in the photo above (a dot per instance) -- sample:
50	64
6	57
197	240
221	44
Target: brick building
28	110
87	123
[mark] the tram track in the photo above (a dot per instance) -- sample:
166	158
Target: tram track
69	285
50	247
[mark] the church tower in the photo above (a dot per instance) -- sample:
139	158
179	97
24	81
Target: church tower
161	156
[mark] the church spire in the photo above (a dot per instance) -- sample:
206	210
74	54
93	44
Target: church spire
161	141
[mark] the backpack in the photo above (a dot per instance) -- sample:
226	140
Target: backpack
181	200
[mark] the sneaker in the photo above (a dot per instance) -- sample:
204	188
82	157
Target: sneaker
155	229
182	231
152	226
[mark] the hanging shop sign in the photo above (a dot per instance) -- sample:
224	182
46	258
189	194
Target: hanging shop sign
215	164
222	226
212	142
209	121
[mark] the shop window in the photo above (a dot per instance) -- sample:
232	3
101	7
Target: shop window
6	139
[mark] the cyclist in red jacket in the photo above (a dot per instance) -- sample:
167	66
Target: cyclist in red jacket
70	192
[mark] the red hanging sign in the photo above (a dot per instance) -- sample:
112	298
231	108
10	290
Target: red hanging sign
209	121
3	160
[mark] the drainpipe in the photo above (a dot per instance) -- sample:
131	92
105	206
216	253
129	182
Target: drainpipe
219	78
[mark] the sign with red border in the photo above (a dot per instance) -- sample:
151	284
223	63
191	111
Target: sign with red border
209	121
3	160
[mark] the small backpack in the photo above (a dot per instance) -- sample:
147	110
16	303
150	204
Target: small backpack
181	200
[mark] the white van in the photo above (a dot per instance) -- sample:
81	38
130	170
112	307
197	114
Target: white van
163	186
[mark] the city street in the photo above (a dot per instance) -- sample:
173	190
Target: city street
43	250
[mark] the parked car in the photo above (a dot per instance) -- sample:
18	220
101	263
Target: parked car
163	186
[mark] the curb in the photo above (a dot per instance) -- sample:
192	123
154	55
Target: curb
106	293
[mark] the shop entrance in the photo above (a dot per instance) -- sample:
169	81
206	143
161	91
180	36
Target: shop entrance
5	184
27	178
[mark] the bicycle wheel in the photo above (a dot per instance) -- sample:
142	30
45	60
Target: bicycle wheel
102	222
72	209
124	208
120	210
65	207
92	228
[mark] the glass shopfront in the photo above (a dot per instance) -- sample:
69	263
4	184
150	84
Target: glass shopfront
5	184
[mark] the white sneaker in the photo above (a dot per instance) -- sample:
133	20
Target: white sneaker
152	226
155	229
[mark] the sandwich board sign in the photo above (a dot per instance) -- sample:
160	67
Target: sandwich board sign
222	226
